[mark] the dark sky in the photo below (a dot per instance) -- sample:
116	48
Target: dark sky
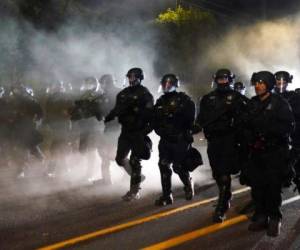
249	8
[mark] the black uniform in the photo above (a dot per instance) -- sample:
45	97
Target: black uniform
58	121
87	112
271	122
219	115
22	111
133	108
174	115
107	145
294	100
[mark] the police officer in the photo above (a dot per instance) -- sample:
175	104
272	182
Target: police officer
24	112
283	78
107	145
174	114
57	119
87	113
271	121
133	108
218	116
239	87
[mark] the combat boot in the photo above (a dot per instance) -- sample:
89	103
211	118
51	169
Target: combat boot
164	200
189	190
260	222
274	227
133	193
222	206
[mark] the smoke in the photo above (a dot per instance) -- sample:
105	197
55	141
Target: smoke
268	45
77	54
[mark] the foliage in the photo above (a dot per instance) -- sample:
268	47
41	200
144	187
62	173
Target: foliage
181	16
183	36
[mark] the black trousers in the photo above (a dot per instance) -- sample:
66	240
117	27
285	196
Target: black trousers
223	155
266	173
172	153
131	142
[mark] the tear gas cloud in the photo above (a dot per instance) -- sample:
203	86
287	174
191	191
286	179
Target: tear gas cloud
76	51
268	45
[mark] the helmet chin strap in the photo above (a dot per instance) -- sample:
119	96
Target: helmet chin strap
172	89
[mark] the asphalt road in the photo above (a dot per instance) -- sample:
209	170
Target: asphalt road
37	212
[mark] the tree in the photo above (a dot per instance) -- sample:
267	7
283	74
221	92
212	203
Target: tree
184	33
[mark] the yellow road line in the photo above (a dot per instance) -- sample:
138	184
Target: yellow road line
196	234
206	230
129	224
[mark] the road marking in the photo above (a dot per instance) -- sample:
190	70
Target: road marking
206	230
130	224
196	234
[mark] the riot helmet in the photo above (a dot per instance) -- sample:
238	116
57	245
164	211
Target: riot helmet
90	84
106	81
169	83
223	78
239	87
135	76
283	78
264	82
19	89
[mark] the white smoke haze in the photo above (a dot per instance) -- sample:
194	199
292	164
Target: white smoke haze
269	45
76	55
77	52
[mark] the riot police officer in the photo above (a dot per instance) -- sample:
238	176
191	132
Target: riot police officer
239	87
218	116
133	108
283	78
107	148
174	114
87	113
57	120
23	113
270	121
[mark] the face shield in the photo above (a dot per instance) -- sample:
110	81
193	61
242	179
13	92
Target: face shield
132	80
241	90
222	83
168	86
281	85
90	85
